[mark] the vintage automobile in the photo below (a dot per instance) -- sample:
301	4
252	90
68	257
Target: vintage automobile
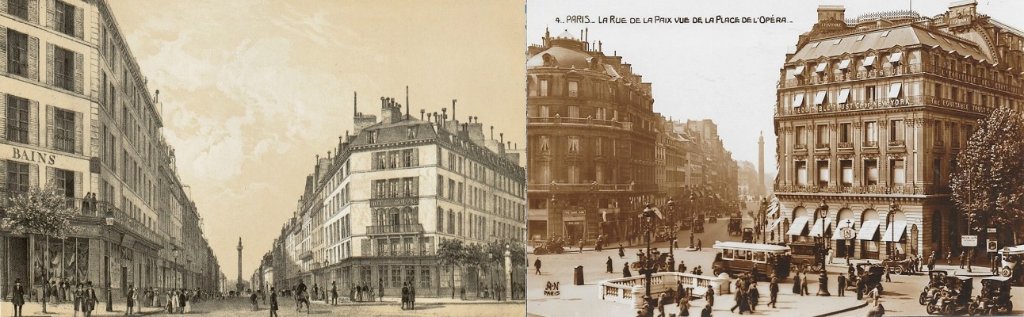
804	256
698	225
954	297
994	297
935	281
1011	259
555	246
748	235
898	264
761	260
871	274
735	225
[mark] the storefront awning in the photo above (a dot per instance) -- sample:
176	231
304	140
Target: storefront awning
868	230
820	226
843	224
797	229
773	207
772	226
894	233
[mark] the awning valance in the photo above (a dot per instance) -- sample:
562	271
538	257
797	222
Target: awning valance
894	233
868	230
797	229
820	226
821	67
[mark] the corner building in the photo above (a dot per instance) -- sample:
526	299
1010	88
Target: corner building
378	207
75	112
871	113
592	139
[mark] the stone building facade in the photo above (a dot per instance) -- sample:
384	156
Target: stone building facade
871	113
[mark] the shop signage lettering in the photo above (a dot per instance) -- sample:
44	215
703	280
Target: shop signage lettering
32	156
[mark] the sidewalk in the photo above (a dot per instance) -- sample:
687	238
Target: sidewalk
976	270
444	300
67	309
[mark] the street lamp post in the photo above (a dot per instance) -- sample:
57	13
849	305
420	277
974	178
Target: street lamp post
693	219
647	264
823	278
672	223
893	208
764	220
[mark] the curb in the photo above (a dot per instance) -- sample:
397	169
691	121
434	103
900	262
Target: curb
859	306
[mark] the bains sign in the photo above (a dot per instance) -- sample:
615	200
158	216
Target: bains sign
32	156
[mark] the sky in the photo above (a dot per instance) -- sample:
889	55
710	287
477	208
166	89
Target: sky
253	90
724	72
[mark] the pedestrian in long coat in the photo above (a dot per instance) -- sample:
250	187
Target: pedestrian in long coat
742	302
706	312
405	295
680	290
796	284
684	306
608	265
754	295
18	297
963	258
860	288
931	261
773	291
622	252
625	270
536	266
273	302
804	287
842	284
710	297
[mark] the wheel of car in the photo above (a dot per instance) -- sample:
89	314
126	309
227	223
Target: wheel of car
898	270
923	299
932	309
1006	271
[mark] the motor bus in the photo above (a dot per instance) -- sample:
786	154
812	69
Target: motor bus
761	259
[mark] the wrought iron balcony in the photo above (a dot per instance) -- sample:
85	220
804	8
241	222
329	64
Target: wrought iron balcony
394	229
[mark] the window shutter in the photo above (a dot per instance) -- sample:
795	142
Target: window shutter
50	175
49	127
33	123
3	117
3	173
3	46
49	63
33	11
79	78
79	183
50	6
79	139
33	58
79	26
33	176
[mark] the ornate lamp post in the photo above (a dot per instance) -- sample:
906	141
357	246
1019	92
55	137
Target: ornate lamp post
893	208
672	223
822	212
693	218
647	265
763	225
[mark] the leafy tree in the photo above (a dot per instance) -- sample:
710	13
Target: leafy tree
451	252
42	212
988	183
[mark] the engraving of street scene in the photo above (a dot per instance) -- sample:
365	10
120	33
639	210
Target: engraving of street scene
255	158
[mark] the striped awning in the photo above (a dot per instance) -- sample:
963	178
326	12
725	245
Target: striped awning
772	226
894	233
820	226
797	229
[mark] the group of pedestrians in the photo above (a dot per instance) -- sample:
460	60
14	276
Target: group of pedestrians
408	296
83	296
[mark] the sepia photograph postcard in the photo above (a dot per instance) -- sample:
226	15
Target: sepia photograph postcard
262	158
779	158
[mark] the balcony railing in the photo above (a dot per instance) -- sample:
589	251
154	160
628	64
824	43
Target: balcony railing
911	101
845	145
904	189
394	229
800	146
578	121
564	187
861	73
822	146
419	252
870	144
897	143
126	221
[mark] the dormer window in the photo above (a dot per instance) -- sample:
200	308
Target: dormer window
372	137
895	58
869	62
412	132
